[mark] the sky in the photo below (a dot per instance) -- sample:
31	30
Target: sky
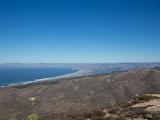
79	31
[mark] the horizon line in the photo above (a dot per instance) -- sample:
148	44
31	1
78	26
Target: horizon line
74	62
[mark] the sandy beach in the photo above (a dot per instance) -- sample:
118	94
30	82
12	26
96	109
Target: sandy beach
79	73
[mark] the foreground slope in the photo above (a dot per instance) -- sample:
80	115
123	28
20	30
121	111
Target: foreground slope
70	99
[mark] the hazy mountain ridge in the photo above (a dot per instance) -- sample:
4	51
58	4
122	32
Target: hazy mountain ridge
83	65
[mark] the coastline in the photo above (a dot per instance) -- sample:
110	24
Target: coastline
81	72
74	95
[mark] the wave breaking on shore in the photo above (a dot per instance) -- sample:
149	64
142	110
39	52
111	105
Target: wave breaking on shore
81	72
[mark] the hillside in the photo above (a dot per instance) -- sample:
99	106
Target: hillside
71	99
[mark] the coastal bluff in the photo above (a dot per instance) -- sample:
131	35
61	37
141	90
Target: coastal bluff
78	98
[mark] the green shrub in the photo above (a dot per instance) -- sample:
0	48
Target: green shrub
146	97
34	116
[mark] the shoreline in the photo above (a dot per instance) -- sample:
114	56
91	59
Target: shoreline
80	72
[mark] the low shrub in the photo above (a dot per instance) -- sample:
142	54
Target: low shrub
34	116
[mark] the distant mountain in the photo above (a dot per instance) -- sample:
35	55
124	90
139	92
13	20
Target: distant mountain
97	66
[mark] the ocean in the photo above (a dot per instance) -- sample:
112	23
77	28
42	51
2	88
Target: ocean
9	76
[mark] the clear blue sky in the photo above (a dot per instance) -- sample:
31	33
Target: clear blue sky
67	31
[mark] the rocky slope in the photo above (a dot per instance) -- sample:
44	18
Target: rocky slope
81	98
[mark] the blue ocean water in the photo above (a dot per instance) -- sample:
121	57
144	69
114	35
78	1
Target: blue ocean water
19	75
